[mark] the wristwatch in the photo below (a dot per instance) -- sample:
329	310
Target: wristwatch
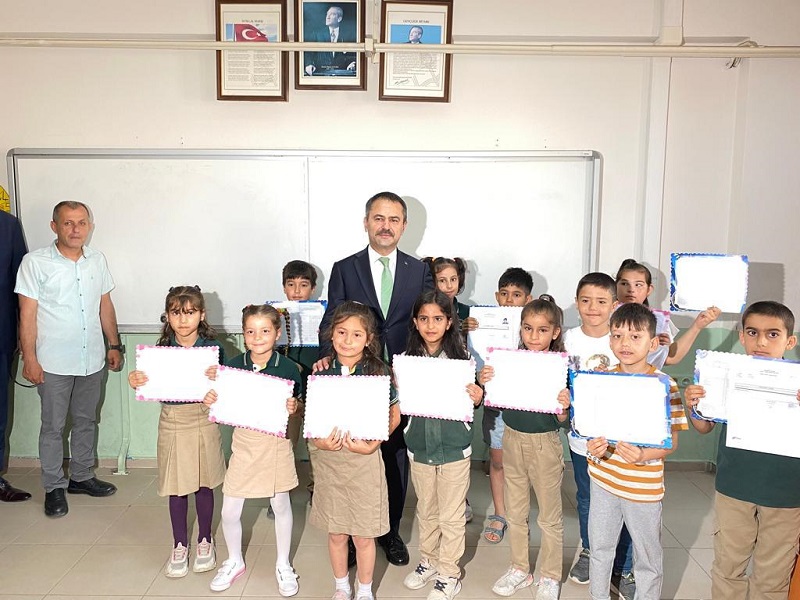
119	347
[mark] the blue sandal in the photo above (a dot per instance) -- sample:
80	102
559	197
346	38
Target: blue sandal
494	535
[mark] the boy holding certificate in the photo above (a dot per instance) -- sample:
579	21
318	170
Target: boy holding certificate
757	503
627	481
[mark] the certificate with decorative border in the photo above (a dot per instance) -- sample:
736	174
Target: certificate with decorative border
358	404
174	373
251	400
526	380
698	281
622	407
434	387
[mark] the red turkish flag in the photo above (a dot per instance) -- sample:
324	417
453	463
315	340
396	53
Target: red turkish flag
244	32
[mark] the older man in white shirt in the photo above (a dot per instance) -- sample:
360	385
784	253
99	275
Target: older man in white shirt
65	309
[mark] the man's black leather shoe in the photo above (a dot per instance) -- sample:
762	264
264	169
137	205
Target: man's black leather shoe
395	548
93	487
8	493
55	503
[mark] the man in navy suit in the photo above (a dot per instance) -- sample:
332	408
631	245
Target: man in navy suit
12	249
359	277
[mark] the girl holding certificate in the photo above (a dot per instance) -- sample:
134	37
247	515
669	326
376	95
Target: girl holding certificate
189	451
440	451
350	493
261	465
532	457
635	284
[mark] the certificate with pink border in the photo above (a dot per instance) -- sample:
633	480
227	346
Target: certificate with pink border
358	404
526	380
251	400
174	373
434	387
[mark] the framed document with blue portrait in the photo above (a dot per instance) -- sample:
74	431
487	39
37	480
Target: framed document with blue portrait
340	22
419	73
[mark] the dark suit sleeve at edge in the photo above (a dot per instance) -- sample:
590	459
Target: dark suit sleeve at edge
336	295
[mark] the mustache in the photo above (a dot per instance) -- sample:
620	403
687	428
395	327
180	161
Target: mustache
386	231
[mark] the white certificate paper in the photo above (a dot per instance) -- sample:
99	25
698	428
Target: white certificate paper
717	372
757	396
526	380
357	404
251	400
304	319
498	327
434	387
174	373
703	280
622	407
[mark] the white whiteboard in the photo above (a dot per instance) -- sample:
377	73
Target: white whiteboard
229	220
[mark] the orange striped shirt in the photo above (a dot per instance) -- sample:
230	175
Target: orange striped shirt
638	482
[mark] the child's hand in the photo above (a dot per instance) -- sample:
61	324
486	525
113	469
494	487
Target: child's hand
138	379
333	442
486	374
211	372
664	339
291	405
597	447
210	398
469	324
706	317
798	395
693	393
321	365
629	452
564	399
361	446
476	393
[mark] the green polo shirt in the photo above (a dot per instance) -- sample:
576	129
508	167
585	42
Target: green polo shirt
757	477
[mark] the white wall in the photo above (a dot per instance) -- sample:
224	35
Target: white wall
729	143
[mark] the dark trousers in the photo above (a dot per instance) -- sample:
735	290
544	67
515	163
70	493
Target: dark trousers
395	462
5	391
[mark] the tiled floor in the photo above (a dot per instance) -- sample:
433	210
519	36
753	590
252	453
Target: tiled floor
116	547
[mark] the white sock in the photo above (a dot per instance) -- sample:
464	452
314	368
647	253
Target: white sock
232	527
364	590
284	520
344	585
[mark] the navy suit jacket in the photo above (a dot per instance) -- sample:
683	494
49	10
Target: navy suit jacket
351	279
12	249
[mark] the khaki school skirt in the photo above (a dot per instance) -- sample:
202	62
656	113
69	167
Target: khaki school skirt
189	450
350	494
261	465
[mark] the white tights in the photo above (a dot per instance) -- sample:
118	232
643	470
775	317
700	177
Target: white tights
232	526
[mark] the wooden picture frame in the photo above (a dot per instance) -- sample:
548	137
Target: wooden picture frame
416	76
252	74
317	21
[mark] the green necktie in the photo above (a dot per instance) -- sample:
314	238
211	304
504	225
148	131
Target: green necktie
387	283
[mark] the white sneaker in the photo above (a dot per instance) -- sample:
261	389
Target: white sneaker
341	595
444	588
227	574
287	581
178	565
420	576
511	581
205	557
549	589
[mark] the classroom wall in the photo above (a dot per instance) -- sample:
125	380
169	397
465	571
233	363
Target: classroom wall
696	156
